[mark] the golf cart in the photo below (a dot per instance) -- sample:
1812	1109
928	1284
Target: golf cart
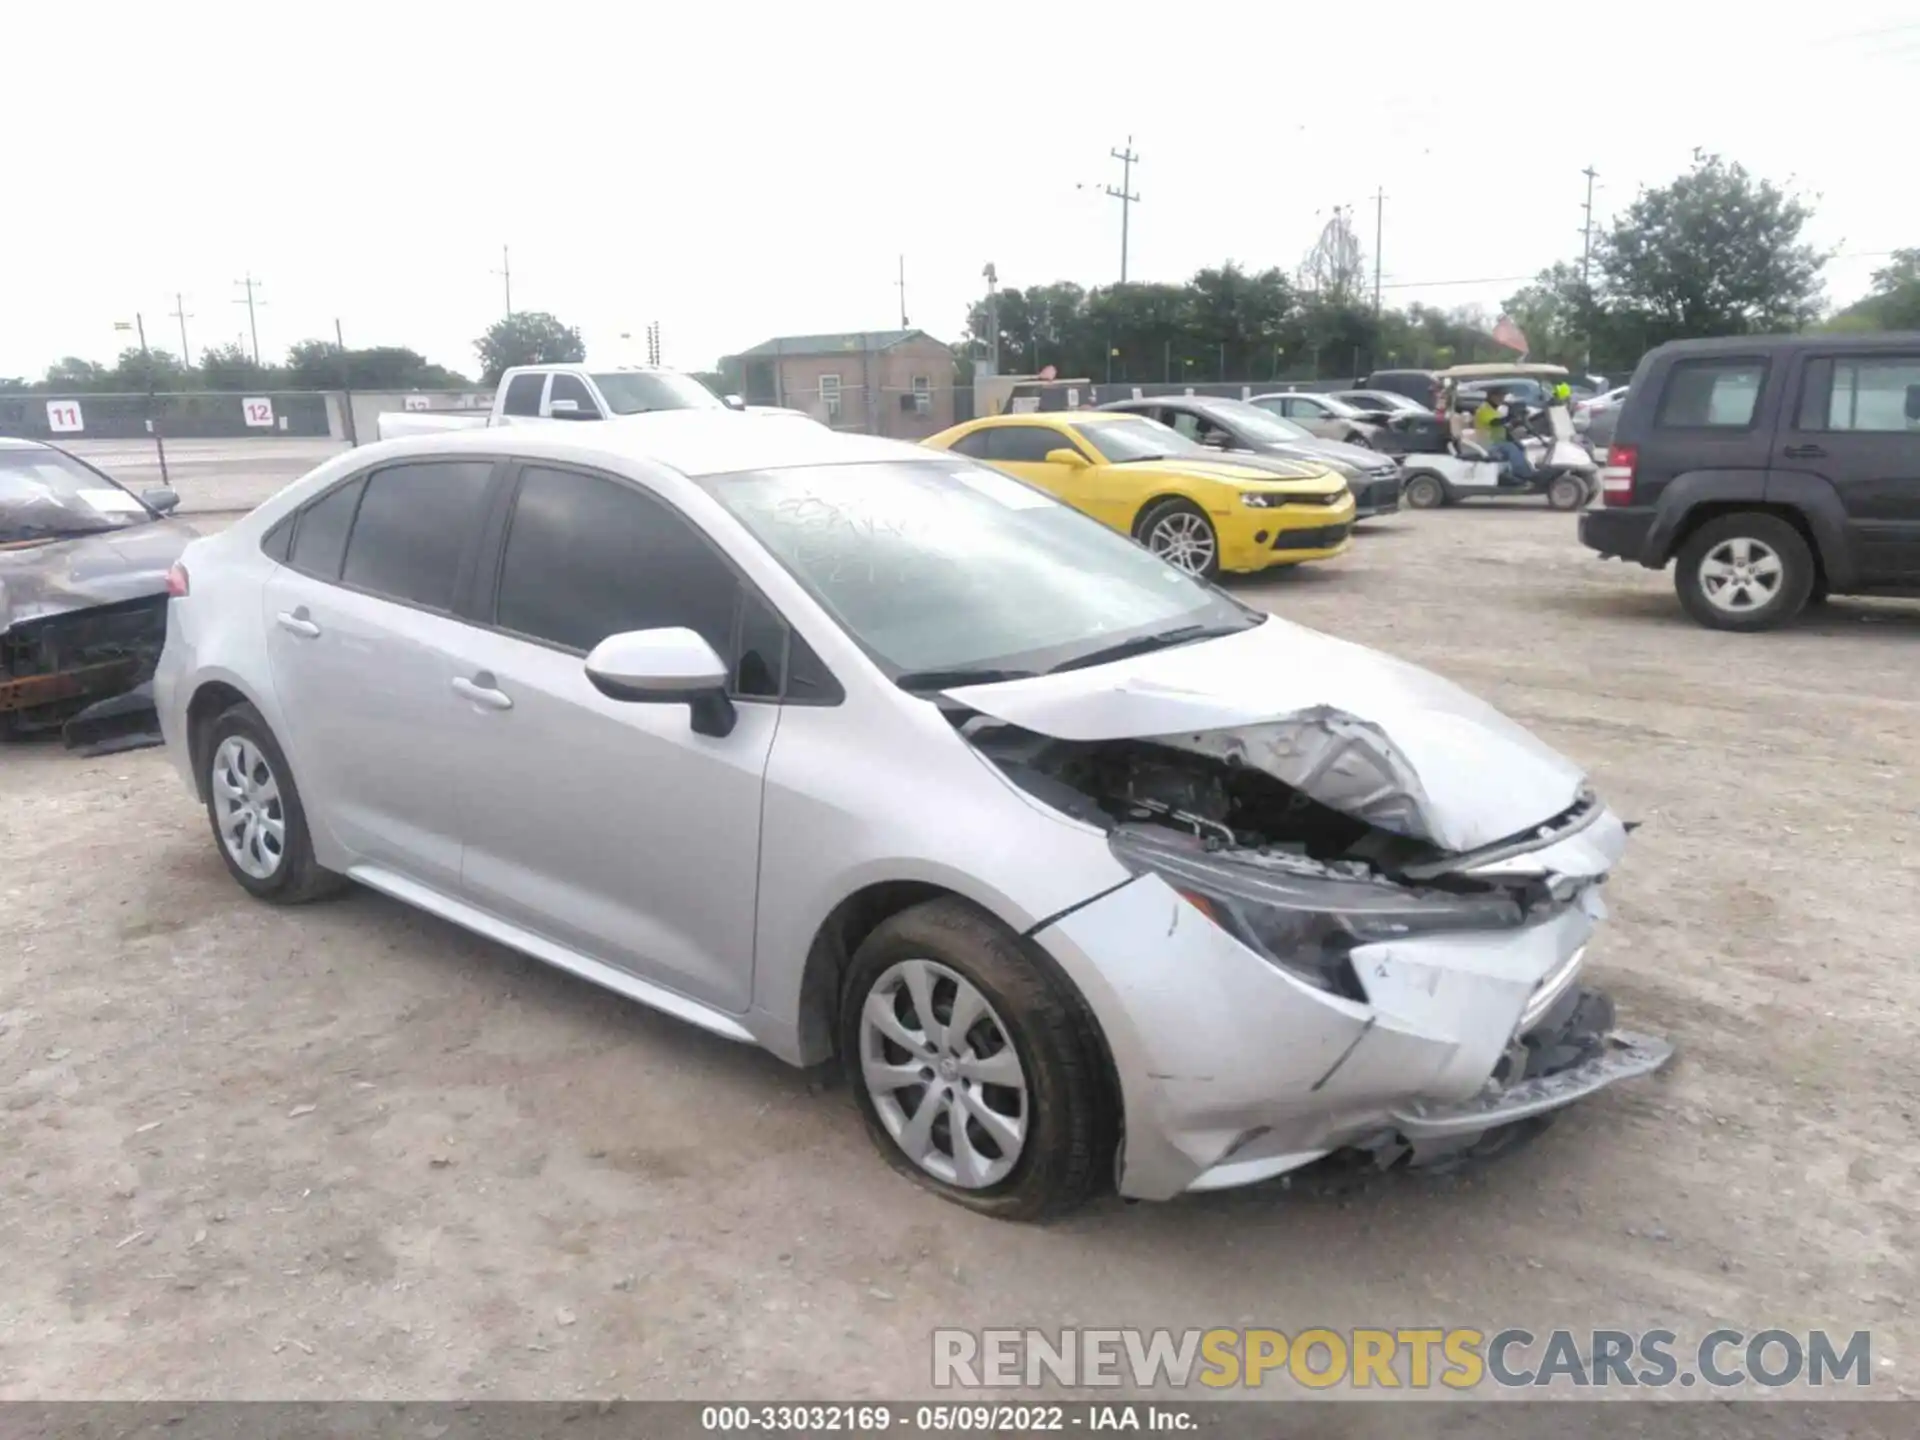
1455	467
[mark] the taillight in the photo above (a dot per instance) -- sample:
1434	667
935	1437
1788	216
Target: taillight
1616	477
177	580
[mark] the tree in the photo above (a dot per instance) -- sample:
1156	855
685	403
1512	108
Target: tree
1893	300
139	370
527	337
1335	268
232	367
1717	252
322	365
71	374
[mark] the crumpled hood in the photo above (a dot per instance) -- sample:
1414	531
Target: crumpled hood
1359	731
66	575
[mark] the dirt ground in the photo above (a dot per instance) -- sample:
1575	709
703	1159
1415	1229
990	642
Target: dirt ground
351	1151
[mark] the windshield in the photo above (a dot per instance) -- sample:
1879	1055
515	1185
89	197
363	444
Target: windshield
46	493
947	567
1256	423
1137	438
633	392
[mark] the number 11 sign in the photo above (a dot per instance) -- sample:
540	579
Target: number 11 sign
64	418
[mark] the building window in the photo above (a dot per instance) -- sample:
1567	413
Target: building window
830	396
923	394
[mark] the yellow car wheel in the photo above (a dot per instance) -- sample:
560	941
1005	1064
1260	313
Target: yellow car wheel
1179	532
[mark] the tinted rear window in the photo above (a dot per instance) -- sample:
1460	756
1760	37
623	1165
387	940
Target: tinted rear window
1711	394
413	525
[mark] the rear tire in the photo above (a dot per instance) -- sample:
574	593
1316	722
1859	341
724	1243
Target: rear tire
1029	1029
1179	532
259	824
1747	571
1423	491
1568	492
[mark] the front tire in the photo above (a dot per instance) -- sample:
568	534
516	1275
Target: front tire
1179	532
1746	571
1423	491
259	824
977	1070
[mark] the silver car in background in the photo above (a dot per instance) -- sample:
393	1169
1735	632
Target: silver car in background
1091	875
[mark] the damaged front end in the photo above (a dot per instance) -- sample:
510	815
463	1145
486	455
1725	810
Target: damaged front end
83	672
1414	991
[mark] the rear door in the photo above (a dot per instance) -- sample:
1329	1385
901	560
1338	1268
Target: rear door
1856	426
524	399
359	624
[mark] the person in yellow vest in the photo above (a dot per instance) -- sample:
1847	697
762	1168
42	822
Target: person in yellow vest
1562	393
1490	425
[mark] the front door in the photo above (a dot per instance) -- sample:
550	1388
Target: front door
611	827
1857	426
358	629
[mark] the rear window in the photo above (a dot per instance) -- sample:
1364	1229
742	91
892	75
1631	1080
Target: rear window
1711	395
1873	394
411	527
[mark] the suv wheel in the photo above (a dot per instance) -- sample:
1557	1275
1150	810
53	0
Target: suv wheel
258	823
977	1071
1745	571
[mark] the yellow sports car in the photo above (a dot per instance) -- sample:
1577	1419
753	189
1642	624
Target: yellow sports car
1203	514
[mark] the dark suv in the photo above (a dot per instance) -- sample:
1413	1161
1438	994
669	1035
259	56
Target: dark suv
1774	469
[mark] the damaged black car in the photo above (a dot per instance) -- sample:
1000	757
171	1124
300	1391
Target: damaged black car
83	597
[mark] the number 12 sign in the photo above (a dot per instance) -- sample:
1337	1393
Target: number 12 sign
64	418
259	413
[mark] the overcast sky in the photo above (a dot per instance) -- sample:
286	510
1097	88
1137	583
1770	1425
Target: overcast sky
743	170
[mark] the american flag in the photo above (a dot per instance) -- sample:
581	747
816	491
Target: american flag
1506	333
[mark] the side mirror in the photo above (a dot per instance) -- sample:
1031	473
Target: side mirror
1215	440
1072	459
734	402
673	666
164	500
572	410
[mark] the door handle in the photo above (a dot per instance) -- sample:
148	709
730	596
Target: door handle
298	623
1804	452
481	690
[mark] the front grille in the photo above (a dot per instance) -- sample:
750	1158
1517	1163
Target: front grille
1332	497
1323	538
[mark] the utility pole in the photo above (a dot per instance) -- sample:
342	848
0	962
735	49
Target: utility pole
346	384
992	278
253	324
1125	196
180	314
139	327
1379	216
901	286
505	272
1586	266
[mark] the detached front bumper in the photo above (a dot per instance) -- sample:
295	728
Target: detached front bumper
1232	1070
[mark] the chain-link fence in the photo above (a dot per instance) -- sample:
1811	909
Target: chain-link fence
188	415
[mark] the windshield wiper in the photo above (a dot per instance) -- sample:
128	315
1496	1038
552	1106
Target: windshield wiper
1145	644
959	675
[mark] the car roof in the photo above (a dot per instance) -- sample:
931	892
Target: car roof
1029	417
1194	402
21	442
1748	344
694	442
1496	371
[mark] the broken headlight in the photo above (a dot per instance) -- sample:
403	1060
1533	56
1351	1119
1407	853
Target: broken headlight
1305	916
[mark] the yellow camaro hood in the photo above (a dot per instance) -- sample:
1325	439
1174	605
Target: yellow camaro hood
1307	479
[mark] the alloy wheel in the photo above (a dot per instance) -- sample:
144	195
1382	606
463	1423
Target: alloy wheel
1741	575
1184	539
941	1069
248	810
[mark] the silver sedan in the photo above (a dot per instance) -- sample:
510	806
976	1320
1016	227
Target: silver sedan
1089	874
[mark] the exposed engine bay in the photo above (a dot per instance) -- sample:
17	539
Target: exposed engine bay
53	667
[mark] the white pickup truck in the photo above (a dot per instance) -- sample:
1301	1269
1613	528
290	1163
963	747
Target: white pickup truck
538	393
